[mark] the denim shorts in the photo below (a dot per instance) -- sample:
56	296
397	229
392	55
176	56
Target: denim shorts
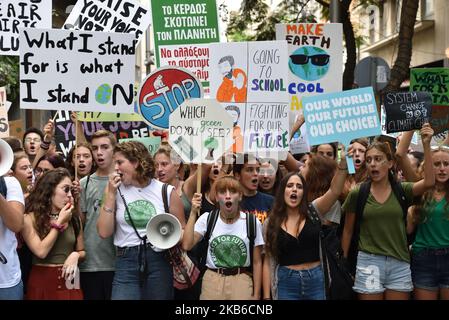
430	269
376	273
301	284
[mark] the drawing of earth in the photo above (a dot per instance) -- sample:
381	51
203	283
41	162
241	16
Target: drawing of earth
309	63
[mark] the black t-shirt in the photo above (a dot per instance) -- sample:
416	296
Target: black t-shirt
259	204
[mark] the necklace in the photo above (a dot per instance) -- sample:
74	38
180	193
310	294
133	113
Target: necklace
54	216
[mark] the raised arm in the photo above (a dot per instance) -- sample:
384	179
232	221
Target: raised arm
326	201
429	177
402	158
297	125
49	132
190	237
106	220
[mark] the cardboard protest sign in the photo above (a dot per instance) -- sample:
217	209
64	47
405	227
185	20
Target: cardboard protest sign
164	90
15	14
4	124
341	117
106	116
182	30
407	111
65	130
3	97
315	60
432	80
440	119
250	81
152	143
80	70
200	131
121	16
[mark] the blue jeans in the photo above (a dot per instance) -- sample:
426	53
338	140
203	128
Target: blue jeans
430	268
13	293
301	284
126	283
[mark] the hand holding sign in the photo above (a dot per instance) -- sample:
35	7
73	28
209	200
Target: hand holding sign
342	117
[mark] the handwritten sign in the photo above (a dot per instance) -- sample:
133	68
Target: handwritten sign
200	131
106	116
250	81
65	130
121	16
4	124
341	117
164	90
440	119
80	70
15	14
182	32
432	80
152	143
407	110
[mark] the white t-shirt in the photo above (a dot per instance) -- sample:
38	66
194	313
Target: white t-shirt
334	213
10	274
143	204
228	243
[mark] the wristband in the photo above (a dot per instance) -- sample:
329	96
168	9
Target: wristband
56	226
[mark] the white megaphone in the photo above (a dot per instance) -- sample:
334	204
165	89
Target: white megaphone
164	231
6	157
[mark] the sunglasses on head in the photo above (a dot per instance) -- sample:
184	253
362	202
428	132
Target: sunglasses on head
439	148
317	59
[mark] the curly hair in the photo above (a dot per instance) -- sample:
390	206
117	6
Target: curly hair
39	201
136	152
279	213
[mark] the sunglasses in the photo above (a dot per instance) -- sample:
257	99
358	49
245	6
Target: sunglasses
317	59
3	259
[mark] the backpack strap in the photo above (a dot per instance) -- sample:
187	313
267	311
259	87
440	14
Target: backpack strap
251	234
3	189
165	197
211	222
400	195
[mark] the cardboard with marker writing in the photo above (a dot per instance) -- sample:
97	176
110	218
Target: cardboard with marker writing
15	14
407	111
121	16
200	131
432	80
77	70
249	80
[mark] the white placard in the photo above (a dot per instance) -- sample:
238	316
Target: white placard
121	16
77	70
250	80
21	13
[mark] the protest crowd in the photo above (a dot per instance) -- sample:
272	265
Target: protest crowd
223	207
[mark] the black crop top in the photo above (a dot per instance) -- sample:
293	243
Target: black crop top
304	249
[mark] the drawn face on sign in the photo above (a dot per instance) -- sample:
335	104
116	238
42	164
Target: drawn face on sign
163	91
309	63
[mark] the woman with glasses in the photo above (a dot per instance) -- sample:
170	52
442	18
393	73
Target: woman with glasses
132	197
47	163
53	232
383	260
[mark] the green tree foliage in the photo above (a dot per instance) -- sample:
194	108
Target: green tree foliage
9	76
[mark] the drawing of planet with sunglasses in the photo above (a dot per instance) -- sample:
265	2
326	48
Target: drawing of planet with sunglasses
309	63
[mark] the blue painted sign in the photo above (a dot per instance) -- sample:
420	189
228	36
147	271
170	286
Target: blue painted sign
341	117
